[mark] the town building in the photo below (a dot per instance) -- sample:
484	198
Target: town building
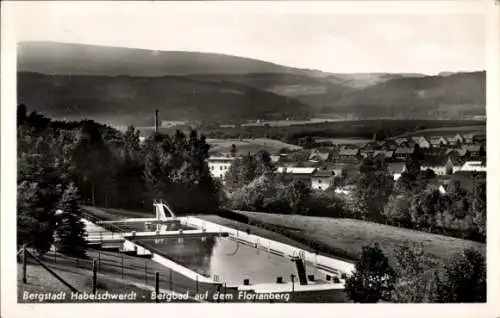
348	155
396	169
319	154
322	179
438	164
403	153
455	140
476	166
383	155
293	174
219	166
422	142
438	141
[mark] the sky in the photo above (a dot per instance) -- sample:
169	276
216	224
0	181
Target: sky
410	42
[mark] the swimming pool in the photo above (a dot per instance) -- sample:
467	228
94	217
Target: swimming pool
224	259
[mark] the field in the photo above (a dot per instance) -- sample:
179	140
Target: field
447	131
350	235
244	146
284	123
344	141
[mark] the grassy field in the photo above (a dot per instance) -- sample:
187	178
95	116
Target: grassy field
244	146
447	131
350	235
344	141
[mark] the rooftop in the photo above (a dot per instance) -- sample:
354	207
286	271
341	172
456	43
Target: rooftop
324	173
296	170
404	150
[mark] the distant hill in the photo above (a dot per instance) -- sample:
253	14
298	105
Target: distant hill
458	96
123	84
318	92
79	59
126	99
363	80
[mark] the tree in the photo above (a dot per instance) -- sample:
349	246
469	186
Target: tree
21	114
478	206
373	278
424	207
40	179
463	279
410	285
233	150
397	210
373	187
414	161
245	169
298	195
262	195
70	230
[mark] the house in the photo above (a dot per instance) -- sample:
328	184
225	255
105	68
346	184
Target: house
454	164
322	179
469	138
403	153
219	165
396	169
291	174
438	141
476	166
365	153
438	164
473	150
455	140
422	142
275	158
348	155
384	155
320	154
400	141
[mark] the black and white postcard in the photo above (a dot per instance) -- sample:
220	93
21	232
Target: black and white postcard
330	158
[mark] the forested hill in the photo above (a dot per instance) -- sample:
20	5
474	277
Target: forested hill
123	86
447	96
131	100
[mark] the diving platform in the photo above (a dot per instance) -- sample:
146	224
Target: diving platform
120	237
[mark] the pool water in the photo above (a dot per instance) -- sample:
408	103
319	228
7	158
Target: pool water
225	260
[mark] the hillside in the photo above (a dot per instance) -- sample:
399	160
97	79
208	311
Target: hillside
459	95
82	59
127	100
318	92
348	236
363	80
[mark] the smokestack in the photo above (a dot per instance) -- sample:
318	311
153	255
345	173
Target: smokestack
156	121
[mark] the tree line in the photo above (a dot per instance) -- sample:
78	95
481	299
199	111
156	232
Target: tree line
462	279
62	165
252	184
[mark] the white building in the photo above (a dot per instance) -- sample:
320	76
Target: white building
473	166
291	174
322	179
219	166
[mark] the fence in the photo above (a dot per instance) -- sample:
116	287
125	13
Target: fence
129	270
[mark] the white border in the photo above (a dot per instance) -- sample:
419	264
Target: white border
10	308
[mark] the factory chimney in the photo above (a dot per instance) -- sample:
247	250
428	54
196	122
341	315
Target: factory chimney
156	121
